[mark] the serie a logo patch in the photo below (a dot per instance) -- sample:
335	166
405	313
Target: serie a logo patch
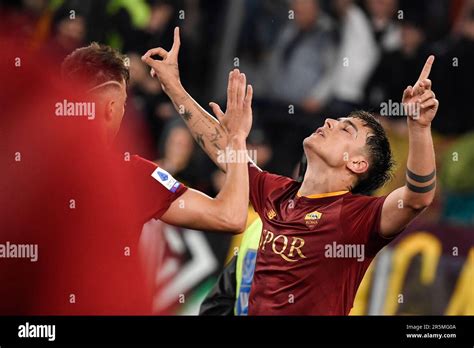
165	179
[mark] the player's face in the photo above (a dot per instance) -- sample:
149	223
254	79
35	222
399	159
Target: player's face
338	142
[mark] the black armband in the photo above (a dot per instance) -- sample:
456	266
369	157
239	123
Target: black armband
421	178
421	189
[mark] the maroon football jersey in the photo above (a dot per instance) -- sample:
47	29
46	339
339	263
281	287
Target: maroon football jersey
313	251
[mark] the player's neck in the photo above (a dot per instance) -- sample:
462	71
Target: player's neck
108	138
321	179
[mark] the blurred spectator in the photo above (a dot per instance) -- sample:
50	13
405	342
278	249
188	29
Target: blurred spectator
297	82
261	22
456	76
145	92
155	29
181	158
26	19
142	25
356	58
301	57
68	33
249	31
259	148
399	68
141	126
436	15
386	29
179	146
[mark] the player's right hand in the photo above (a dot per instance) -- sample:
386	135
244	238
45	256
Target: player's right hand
421	98
237	120
167	69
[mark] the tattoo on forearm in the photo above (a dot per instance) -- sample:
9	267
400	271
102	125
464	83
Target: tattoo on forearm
421	178
215	136
203	127
200	139
187	115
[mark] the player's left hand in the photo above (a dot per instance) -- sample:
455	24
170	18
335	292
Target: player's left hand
167	69
420	101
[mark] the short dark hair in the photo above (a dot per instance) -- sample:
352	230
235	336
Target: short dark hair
95	64
380	155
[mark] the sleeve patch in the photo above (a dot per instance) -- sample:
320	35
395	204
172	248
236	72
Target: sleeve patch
165	179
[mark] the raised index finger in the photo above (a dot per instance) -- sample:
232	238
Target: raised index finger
176	41
427	68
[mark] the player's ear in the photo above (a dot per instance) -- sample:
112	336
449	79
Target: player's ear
357	164
109	111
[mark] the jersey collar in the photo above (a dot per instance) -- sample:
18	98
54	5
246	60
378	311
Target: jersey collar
323	195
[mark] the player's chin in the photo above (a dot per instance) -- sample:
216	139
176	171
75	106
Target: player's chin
313	139
312	143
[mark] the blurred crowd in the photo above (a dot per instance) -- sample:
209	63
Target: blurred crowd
307	59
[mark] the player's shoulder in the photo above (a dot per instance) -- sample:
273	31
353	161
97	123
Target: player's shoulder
137	160
148	169
138	166
141	167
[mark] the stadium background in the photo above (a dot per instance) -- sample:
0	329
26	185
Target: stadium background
429	269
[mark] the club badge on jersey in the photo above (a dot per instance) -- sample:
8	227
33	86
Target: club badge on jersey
165	179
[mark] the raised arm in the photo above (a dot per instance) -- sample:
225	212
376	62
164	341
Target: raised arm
228	211
405	203
210	133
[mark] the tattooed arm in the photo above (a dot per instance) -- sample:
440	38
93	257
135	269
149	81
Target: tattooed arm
206	130
210	133
228	210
